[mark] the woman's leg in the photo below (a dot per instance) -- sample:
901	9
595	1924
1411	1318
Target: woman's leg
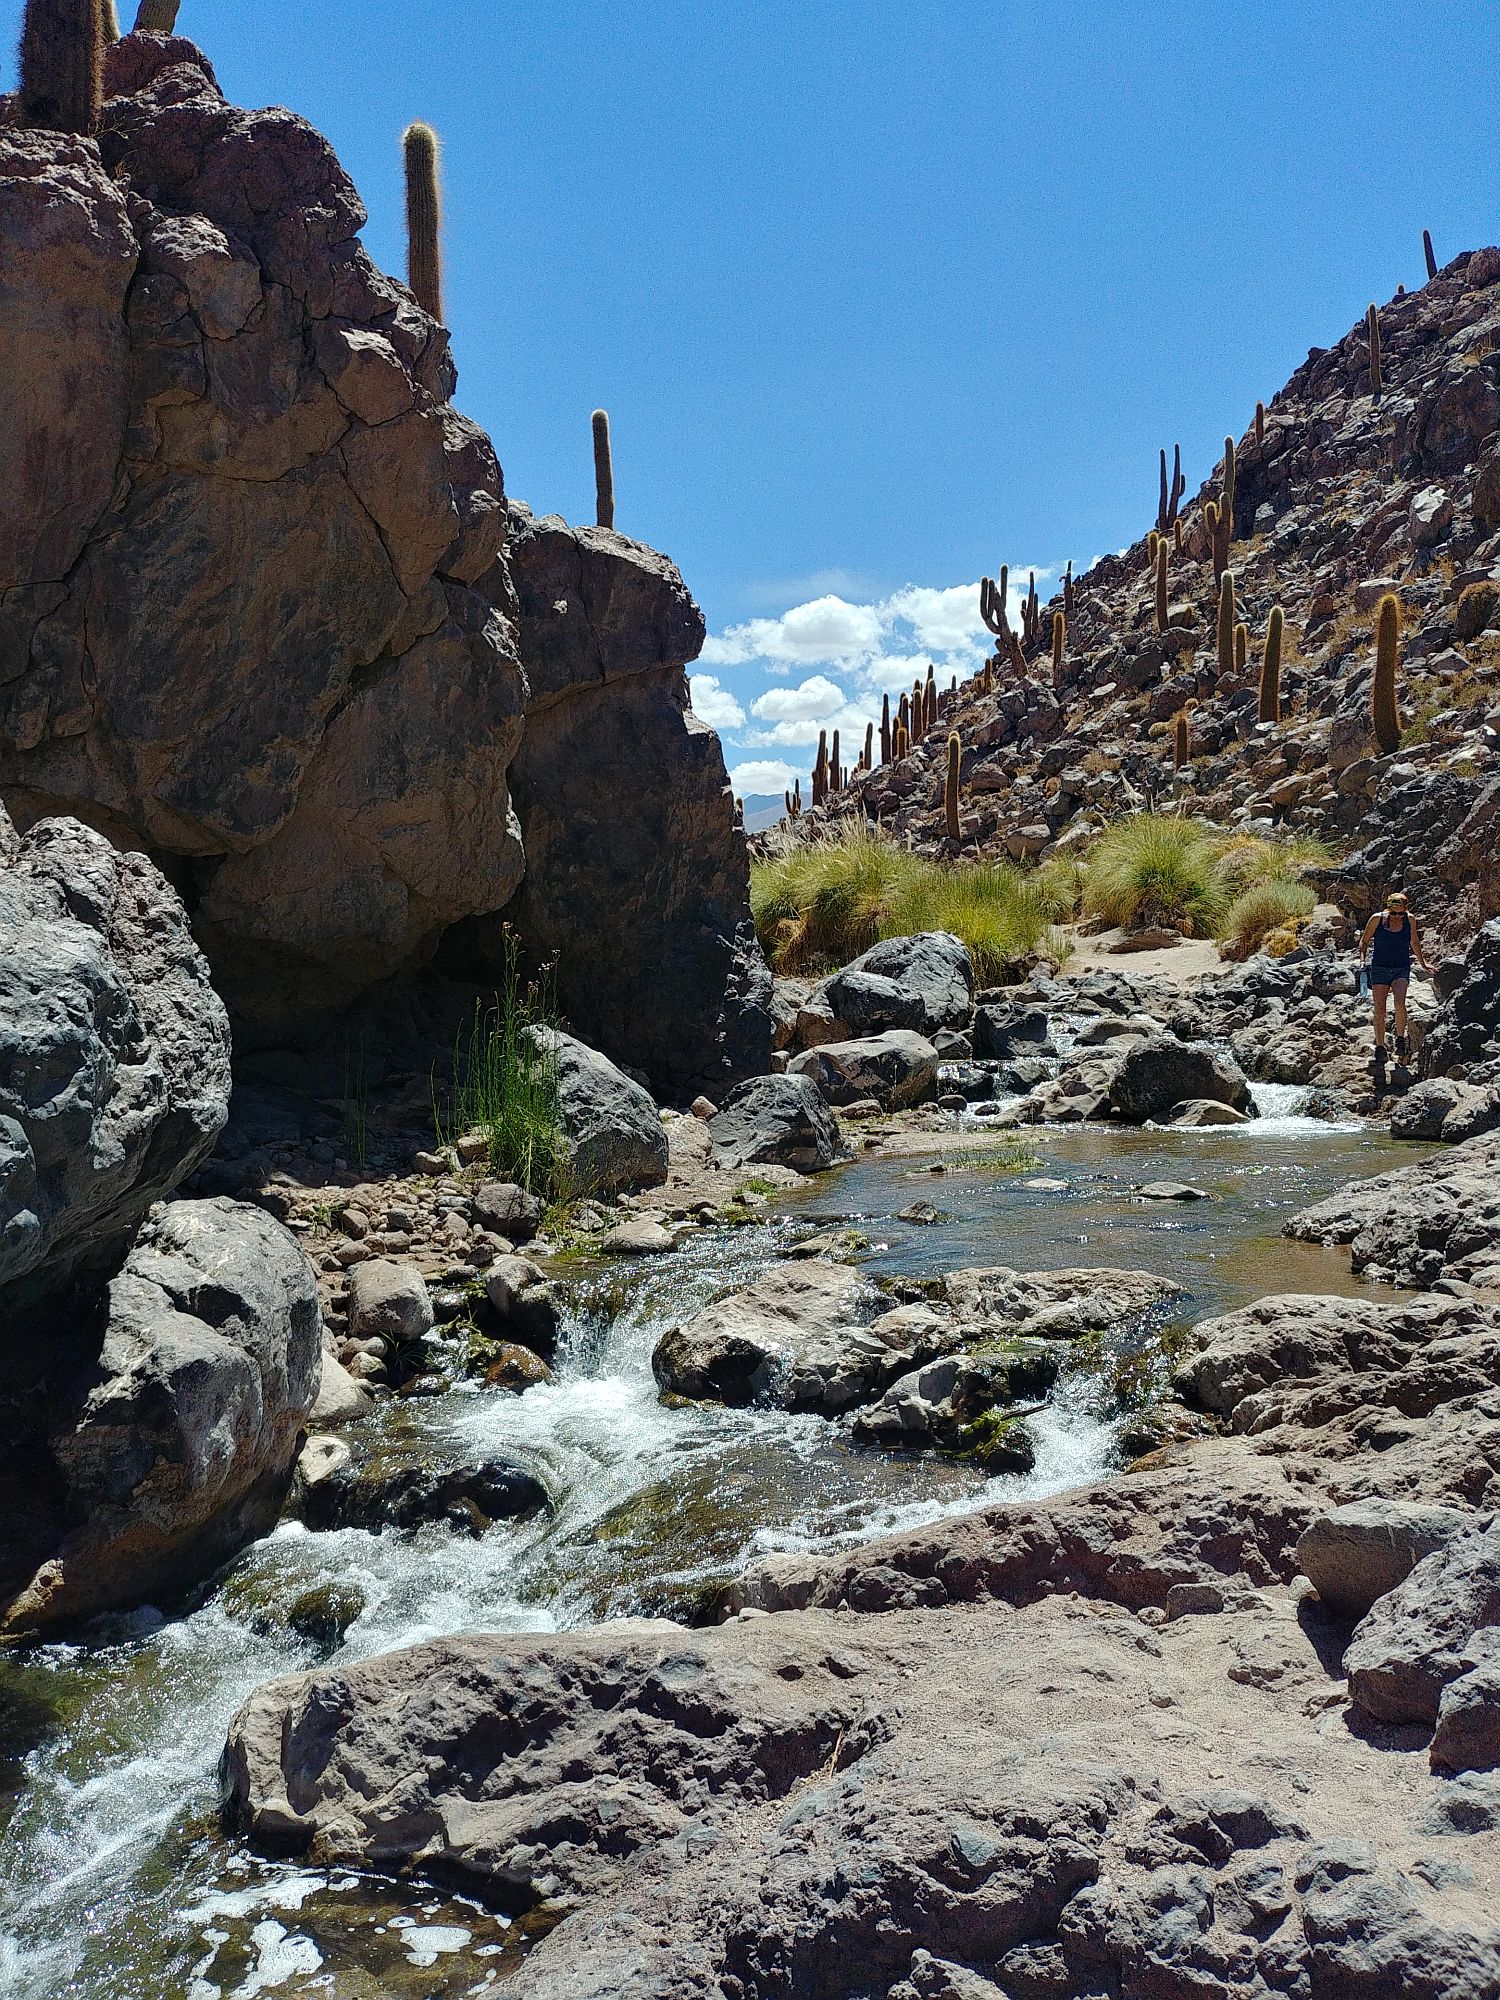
1398	994
1380	993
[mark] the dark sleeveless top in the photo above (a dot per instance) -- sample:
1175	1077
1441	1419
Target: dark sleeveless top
1391	951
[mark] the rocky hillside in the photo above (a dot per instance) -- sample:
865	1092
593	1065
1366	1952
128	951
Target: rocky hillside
269	617
1343	491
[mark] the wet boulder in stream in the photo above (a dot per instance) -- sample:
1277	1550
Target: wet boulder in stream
1158	1074
614	1132
896	1069
775	1120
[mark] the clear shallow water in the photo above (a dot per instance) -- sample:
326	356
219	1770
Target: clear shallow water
115	1882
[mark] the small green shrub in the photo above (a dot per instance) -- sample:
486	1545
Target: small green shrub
505	1086
1156	869
1246	859
1264	908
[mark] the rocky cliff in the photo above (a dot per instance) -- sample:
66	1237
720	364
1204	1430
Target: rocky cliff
256	616
1343	491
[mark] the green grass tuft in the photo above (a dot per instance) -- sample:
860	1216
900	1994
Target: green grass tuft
506	1087
1155	869
824	902
1263	909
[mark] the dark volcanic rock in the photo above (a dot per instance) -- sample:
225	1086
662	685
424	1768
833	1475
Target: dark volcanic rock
896	1069
637	882
393	1490
615	1135
176	1443
261	458
1467	1028
1156	1075
779	1120
114	1058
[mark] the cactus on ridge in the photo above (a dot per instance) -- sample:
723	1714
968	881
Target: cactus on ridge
903	741
1170	497
1059	641
992	602
424	217
820	770
1177	537
1226	624
1182	738
1385	709
868	759
60	65
604	471
156	17
1427	252
1260	425
1226	504
885	727
1068	591
1241	647
109	22
1268	708
950	788
1372	336
1161	584
930	700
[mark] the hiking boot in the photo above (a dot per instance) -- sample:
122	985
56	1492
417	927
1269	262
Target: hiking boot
1403	1049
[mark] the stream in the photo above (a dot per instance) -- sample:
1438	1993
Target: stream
115	1879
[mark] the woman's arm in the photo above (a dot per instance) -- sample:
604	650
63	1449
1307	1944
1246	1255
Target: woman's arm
1416	947
1370	929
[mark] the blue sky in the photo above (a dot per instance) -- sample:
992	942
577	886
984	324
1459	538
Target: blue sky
881	295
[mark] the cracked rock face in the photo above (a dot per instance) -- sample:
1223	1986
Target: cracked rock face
240	528
114	1058
172	1445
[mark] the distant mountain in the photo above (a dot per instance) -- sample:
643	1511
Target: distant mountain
763	809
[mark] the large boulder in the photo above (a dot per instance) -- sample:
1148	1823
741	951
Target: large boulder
1158	1074
240	543
775	1120
1439	1218
854	1003
1359	1551
801	1337
613	1129
897	1069
637	882
175	1443
114	1058
1414	1640
933	967
1467	1028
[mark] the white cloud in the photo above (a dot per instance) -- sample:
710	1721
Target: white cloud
713	704
823	632
812	699
758	778
790	735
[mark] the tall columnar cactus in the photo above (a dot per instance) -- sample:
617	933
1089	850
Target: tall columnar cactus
156	17
1170	496
1268	709
1241	647
930	699
1177	537
1182	738
1260	425
1218	541
1153	542
1161	584
868	759
1226	624
1226	504
950	788
1068	591
109	22
796	798
1059	642
604	472
820	770
1427	252
987	674
424	217
1017	657
1385	710
60	58
903	714
903	741
885	728
1372	338
992	602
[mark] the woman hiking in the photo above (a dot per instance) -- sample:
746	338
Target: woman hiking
1387	949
